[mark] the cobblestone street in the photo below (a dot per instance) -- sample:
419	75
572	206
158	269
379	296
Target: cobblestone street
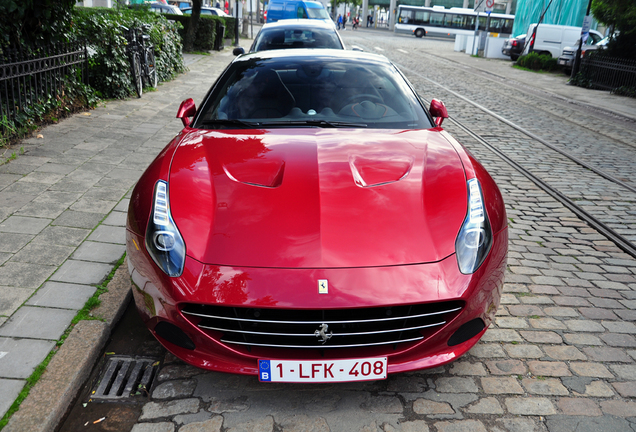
560	357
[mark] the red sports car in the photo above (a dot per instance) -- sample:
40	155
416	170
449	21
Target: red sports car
313	222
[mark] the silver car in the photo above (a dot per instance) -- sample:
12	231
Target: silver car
567	56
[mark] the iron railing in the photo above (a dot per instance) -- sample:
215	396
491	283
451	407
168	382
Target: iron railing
608	73
32	75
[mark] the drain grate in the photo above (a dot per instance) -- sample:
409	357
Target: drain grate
124	377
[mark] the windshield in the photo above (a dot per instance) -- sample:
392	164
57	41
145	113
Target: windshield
317	13
269	39
311	91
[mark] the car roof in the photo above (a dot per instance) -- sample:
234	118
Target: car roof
325	54
298	23
204	7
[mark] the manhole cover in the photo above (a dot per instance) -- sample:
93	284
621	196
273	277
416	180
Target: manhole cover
125	377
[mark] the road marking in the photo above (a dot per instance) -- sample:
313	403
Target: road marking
402	51
378	49
3	353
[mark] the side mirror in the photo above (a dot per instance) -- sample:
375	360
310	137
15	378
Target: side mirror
186	110
438	111
238	51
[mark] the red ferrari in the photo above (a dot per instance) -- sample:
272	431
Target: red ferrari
313	222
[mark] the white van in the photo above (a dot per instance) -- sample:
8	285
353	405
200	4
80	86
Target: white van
552	38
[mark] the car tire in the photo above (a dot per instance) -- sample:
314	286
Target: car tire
567	71
514	57
420	32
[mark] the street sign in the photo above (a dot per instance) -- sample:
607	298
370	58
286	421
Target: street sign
585	30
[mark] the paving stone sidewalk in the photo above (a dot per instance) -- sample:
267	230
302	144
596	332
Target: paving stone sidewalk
63	206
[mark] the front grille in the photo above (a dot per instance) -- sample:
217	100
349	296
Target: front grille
341	328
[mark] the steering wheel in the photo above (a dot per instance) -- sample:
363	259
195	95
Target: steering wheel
362	97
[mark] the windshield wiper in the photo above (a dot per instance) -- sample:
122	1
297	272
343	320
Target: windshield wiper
230	122
318	123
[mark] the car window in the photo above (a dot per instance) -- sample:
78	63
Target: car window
292	92
317	13
269	39
595	38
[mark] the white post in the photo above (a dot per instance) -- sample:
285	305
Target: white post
392	7
365	12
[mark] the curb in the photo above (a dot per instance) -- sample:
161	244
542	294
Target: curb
53	395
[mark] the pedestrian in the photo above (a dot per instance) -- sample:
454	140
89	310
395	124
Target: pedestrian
339	21
344	22
368	19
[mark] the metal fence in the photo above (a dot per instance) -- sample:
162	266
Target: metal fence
29	76
609	73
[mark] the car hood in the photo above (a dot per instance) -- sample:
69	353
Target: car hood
308	198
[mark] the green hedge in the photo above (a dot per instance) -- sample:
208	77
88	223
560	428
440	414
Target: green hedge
535	61
109	67
206	29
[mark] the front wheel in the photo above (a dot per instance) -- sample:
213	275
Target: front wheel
152	69
419	32
136	75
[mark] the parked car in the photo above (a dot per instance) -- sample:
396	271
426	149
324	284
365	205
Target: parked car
205	10
513	47
551	39
165	8
567	57
295	33
313	222
290	9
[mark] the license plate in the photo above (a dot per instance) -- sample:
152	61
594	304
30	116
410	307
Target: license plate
561	62
365	369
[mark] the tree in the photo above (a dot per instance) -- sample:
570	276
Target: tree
621	16
191	31
34	21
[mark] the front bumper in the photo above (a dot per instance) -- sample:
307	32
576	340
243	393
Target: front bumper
161	299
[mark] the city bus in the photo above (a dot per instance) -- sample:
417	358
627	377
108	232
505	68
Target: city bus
439	21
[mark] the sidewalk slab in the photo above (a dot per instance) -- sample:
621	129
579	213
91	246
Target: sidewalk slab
22	356
24	225
24	275
77	219
37	323
107	253
62	295
82	272
109	234
9	391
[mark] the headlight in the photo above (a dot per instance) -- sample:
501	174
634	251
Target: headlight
475	237
163	240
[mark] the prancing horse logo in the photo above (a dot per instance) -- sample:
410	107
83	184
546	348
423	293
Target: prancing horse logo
322	333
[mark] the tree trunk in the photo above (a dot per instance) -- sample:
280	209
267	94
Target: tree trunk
188	43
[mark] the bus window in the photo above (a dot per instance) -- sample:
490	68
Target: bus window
482	23
421	17
470	23
458	21
495	25
437	19
406	16
507	25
